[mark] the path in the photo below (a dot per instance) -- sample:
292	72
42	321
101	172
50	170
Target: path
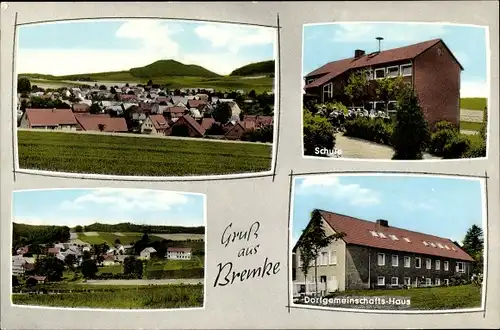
359	148
188	281
475	116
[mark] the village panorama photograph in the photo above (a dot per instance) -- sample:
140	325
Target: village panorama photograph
145	97
401	91
388	242
108	249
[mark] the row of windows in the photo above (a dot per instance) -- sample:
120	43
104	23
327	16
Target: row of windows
460	267
391	72
325	258
408	281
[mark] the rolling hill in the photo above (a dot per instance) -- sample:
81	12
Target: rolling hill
255	69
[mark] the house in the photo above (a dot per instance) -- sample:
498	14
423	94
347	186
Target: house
259	121
175	112
137	113
103	123
236	131
128	98
22	250
178	253
38	279
430	67
122	249
53	251
147	252
149	108
206	123
376	255
155	125
80	107
197	104
56	119
109	260
18	266
195	113
193	128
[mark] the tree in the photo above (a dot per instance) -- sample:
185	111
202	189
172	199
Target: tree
252	94
357	86
315	239
411	133
78	229
112	90
23	85
306	256
180	130
51	267
117	241
94	108
150	82
132	266
318	133
473	244
89	268
103	87
101	127
70	261
15	280
222	113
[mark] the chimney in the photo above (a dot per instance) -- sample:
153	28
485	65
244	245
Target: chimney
383	223
379	43
358	53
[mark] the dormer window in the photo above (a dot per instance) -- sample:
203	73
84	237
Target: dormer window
374	233
425	243
407	239
393	237
382	235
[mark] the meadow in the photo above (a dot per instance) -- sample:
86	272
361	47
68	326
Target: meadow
433	298
470	126
129	238
137	156
119	297
473	103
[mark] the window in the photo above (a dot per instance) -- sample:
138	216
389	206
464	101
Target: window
438	264
406	70
407	281
428	263
391	106
333	257
407	262
433	245
460	267
374	233
393	237
309	81
418	262
324	258
394	281
393	71
437	281
446	266
425	243
379	106
380	280
381	259
379	73
446	281
407	239
395	260
428	282
382	235
440	245
327	91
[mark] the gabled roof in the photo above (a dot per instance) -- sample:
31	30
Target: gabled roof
196	103
149	249
175	110
92	122
50	117
206	123
159	122
359	232
259	120
191	122
335	68
178	249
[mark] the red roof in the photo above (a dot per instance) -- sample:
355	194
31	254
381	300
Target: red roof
358	232
80	107
335	68
127	97
92	122
39	278
53	250
50	117
206	123
175	110
193	123
178	249
259	120
196	103
159	122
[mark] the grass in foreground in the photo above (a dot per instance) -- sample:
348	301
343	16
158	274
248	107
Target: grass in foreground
473	103
452	297
150	297
470	126
136	156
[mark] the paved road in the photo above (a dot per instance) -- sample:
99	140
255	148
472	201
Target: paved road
191	281
471	115
359	148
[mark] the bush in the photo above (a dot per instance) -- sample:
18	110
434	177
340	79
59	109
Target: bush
476	149
440	138
318	133
376	130
456	146
263	134
176	273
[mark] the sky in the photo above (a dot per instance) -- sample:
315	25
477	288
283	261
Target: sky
74	47
71	207
329	42
440	206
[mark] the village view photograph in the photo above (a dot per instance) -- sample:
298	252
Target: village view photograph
401	91
108	249
414	243
145	97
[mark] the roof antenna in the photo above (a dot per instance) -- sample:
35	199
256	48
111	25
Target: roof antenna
379	41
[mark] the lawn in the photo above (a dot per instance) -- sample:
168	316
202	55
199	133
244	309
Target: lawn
109	238
195	262
115	269
138	156
146	297
470	126
452	297
473	103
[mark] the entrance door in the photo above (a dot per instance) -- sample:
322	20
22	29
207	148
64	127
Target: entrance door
332	284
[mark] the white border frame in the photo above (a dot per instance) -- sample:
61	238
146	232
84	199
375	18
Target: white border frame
66	309
484	227
276	113
488	99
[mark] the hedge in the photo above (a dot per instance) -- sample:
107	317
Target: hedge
378	130
176	273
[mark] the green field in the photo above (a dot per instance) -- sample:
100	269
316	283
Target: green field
109	238
195	262
452	297
146	297
225	83
473	103
136	156
470	126
115	269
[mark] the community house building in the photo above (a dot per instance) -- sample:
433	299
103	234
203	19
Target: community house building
430	67
178	253
374	255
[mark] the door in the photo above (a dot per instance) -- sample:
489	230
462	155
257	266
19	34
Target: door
332	284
